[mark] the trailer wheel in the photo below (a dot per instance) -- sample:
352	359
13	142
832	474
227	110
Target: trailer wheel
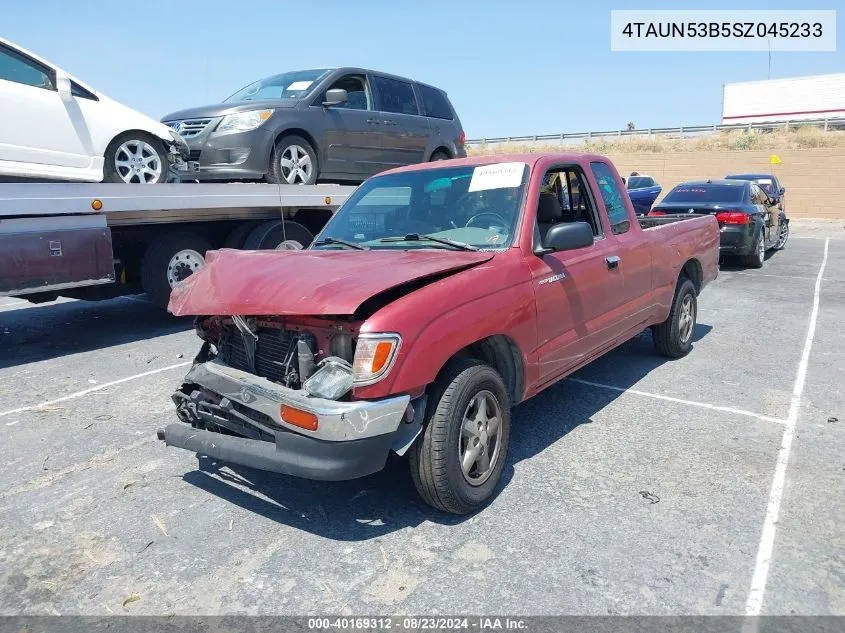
278	235
169	260
237	237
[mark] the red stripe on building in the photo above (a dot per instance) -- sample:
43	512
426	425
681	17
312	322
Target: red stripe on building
751	116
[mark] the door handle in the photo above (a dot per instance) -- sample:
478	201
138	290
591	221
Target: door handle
389	122
612	262
373	121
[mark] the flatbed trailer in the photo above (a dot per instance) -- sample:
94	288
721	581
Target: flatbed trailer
97	241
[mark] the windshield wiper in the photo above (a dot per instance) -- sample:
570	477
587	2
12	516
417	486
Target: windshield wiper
334	240
416	237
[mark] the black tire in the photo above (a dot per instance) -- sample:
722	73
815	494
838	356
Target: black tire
755	258
434	459
157	262
237	237
439	155
783	234
275	174
110	171
271	235
668	339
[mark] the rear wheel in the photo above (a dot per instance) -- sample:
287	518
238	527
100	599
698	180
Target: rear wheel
278	235
458	460
293	162
439	155
673	337
783	235
238	235
756	257
136	157
169	260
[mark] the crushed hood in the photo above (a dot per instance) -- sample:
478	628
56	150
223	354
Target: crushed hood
329	282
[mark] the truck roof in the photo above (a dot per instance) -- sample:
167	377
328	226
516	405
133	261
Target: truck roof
531	159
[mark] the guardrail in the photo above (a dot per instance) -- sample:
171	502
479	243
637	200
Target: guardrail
683	131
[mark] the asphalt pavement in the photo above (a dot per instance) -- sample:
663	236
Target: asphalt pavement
640	486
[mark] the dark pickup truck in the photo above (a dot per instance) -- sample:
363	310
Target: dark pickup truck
438	297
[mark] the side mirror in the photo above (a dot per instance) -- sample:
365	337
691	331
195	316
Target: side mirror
567	236
335	96
782	191
63	86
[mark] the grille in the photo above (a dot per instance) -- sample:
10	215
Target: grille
188	128
271	350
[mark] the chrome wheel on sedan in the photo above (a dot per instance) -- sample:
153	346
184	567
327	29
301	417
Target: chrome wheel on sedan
478	445
783	235
137	161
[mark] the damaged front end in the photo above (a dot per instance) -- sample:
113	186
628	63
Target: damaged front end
275	394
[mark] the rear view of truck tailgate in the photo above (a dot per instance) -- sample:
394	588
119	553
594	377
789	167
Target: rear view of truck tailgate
53	253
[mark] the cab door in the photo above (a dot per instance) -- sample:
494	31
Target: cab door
577	292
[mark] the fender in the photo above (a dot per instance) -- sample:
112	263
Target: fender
494	298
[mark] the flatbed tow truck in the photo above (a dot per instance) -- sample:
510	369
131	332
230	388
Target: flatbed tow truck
98	241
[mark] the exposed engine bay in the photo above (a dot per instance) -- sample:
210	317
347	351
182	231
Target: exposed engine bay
310	353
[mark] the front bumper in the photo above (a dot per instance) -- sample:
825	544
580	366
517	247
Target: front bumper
241	155
352	438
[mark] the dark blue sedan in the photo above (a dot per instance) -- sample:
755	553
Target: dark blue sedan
750	222
643	191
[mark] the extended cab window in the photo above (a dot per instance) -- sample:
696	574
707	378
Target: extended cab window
612	196
20	70
357	92
396	96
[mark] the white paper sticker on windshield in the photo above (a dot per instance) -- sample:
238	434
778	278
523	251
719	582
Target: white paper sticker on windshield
498	176
764	181
299	85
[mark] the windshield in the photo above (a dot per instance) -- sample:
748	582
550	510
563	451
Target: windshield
475	205
706	193
639	182
292	85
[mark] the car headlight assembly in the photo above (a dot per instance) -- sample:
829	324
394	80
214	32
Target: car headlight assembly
374	356
243	121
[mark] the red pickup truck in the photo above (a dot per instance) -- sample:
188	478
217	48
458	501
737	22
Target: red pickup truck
438	297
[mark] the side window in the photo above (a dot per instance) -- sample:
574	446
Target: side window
565	198
78	91
613	198
357	92
649	182
757	196
396	96
434	103
19	69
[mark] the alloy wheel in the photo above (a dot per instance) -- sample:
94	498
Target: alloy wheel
296	165
478	444
138	162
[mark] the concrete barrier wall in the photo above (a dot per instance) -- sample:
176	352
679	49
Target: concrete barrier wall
814	178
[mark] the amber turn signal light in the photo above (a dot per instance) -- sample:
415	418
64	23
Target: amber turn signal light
96	205
297	417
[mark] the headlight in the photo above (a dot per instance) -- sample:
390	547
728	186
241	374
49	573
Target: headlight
331	381
243	121
374	356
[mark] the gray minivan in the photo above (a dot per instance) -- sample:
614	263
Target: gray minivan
340	125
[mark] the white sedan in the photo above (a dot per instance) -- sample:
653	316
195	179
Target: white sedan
58	128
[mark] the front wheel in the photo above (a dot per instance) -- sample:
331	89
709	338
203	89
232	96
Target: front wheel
673	337
458	460
294	162
137	158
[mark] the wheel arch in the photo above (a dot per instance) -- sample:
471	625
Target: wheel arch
443	149
694	272
297	131
110	145
502	353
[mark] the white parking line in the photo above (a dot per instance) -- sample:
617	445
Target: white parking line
703	405
767	540
84	392
742	272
